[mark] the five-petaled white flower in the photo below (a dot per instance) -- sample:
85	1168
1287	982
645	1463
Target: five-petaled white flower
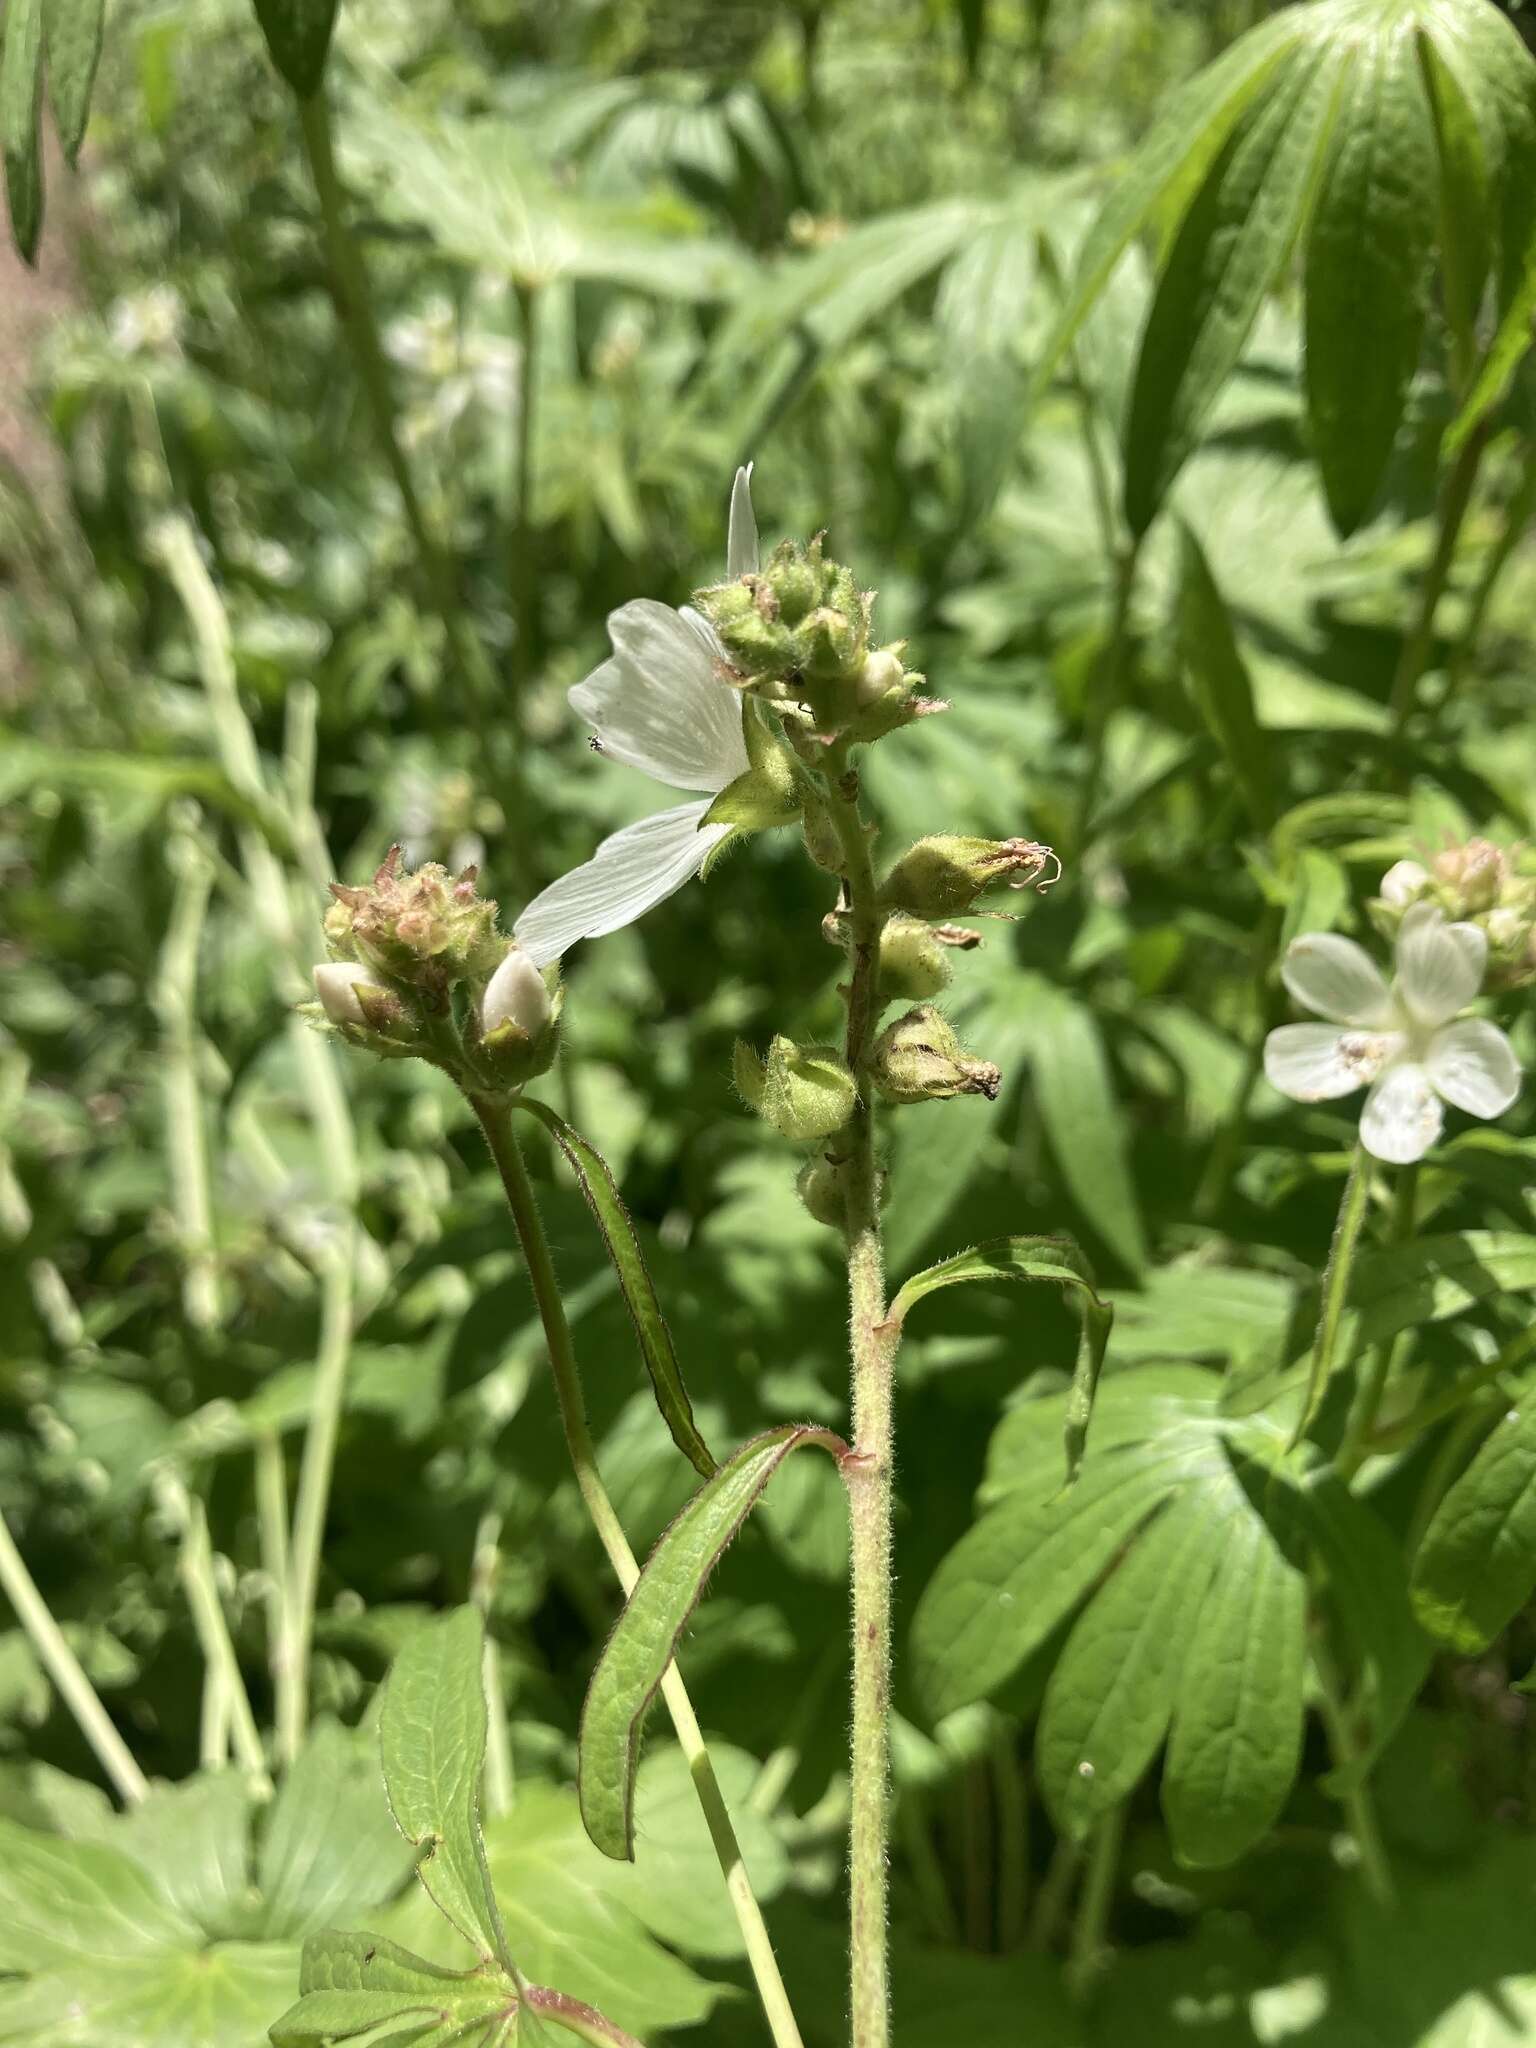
660	705
1401	1040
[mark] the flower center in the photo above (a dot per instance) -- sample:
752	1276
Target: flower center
1365	1053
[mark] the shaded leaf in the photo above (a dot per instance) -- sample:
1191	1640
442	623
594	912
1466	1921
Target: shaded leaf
1219	682
1437	1277
21	86
1075	1096
1476	1565
72	33
298	34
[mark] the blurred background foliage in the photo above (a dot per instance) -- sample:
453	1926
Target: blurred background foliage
616	247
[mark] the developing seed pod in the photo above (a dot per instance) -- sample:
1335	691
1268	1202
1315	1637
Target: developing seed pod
816	1184
805	1091
919	1059
913	961
943	876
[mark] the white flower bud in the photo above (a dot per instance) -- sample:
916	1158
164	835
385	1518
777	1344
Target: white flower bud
515	994
1402	882
882	671
336	985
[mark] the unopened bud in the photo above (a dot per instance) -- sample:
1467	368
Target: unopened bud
943	876
427	928
882	672
1403	883
804	1091
1473	874
516	996
817	1186
336	984
919	1059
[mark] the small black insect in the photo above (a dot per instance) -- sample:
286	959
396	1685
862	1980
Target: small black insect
595	744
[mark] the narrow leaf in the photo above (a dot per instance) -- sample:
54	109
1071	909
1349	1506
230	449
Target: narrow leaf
1232	245
618	1233
1111	1694
1219	682
1368	264
432	1730
1170	163
1505	353
1033	1258
1477	1563
1075	1096
298	34
72	32
1237	1719
21	85
636	1655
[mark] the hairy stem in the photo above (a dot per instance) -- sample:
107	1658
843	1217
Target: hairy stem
1455	497
1362	1421
869	1470
67	1673
1359	1807
496	1122
1335	1291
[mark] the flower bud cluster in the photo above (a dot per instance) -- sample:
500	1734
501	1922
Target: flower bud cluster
1475	883
797	633
419	968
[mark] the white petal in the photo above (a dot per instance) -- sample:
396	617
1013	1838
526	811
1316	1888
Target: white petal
515	994
741	538
1439	965
1473	1065
1336	978
659	705
628	874
1316	1062
336	985
1402	882
1402	1115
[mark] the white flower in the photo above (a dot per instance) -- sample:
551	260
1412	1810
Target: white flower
515	994
1401	1040
1402	883
660	706
336	985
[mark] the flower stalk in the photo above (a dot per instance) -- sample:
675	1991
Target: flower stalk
1336	1277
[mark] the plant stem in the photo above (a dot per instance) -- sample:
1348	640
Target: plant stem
1090	1928
67	1673
271	1491
1517	517
927	1873
186	1144
1335	1291
496	1122
522	580
312	1495
498	1750
1107	688
1355	1798
869	1469
1362	1421
1012	1841
1051	1900
214	1639
1514	1354
354	307
1455	497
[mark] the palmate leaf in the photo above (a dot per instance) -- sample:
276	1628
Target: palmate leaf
1187	1537
636	1655
1367	132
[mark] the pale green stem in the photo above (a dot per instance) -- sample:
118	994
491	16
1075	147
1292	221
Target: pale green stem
496	1122
917	1846
186	1141
1335	1290
1356	1446
213	1720
214	1639
1107	688
312	1495
1051	1900
1012	1842
355	311
976	1861
482	1587
1359	1808
1090	1928
1455	497
868	1470
67	1673
271	1490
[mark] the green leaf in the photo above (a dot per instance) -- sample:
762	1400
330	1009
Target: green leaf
199	1995
1505	353
64	1904
298	34
353	1983
330	1851
1169	165
432	1729
1230	248
623	1247
72	32
1476	1565
1219	682
1369	252
1110	1696
1033	1258
1076	1101
1434	1278
192	1840
21	86
636	1655
1237	1719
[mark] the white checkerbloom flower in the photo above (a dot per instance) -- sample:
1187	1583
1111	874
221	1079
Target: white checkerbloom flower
1409	1044
660	705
